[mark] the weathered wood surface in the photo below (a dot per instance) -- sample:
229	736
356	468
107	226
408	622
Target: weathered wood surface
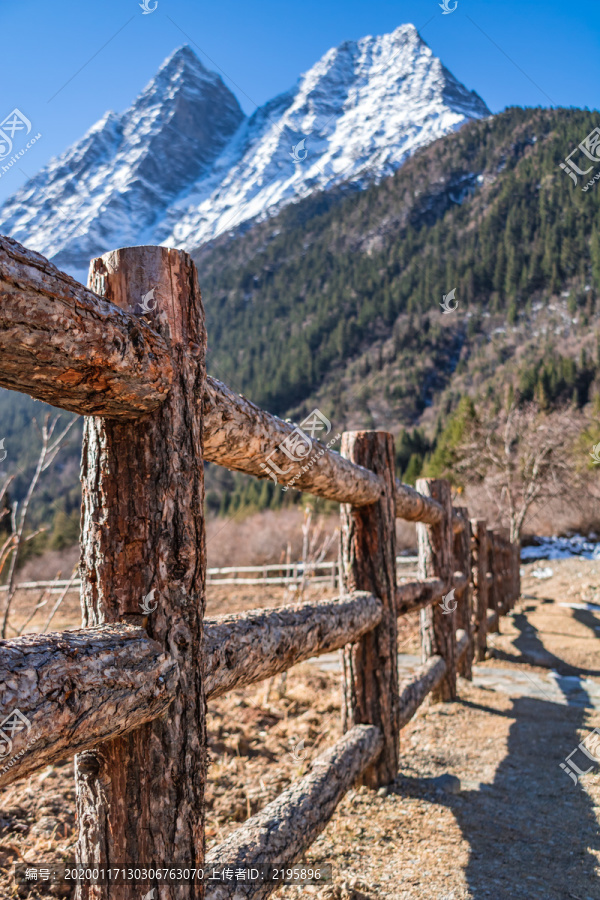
368	541
415	507
458	522
239	435
462	642
63	344
413	595
438	628
495	586
459	582
479	559
241	649
140	798
492	619
464	608
426	679
280	833
78	688
516	572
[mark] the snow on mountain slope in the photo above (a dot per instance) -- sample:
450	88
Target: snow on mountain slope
361	110
112	186
183	163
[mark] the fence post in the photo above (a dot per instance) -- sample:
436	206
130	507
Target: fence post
480	593
438	628
516	563
368	563
507	581
464	608
493	567
140	798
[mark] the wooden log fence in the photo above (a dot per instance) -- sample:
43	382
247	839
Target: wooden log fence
127	693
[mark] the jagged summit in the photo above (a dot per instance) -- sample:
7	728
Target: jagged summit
183	163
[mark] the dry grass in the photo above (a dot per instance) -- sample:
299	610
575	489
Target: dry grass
262	538
518	829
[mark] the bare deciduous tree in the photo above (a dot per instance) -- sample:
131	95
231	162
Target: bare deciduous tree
9	552
522	457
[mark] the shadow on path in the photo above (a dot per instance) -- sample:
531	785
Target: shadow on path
532	831
532	650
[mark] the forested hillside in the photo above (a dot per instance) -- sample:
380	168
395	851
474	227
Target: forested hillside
296	300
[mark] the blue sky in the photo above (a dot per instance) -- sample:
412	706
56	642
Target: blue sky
66	63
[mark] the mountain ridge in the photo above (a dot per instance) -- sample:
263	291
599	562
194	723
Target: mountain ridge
183	163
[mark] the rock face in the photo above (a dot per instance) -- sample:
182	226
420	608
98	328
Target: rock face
184	164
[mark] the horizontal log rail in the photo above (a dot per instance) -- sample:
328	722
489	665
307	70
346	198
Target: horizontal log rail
76	689
280	833
240	436
415	689
241	649
414	507
63	344
424	680
413	595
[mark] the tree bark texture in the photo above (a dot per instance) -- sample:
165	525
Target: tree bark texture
413	595
516	570
240	436
492	621
413	691
244	648
503	552
78	688
462	643
283	830
464	608
479	561
63	344
414	507
426	679
438	628
495	588
368	539
140	798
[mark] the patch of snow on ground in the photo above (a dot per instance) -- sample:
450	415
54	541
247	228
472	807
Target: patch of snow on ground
561	548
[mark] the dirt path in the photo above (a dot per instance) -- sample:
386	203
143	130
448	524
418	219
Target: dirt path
517	829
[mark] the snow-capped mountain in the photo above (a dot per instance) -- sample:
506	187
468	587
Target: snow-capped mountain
184	164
